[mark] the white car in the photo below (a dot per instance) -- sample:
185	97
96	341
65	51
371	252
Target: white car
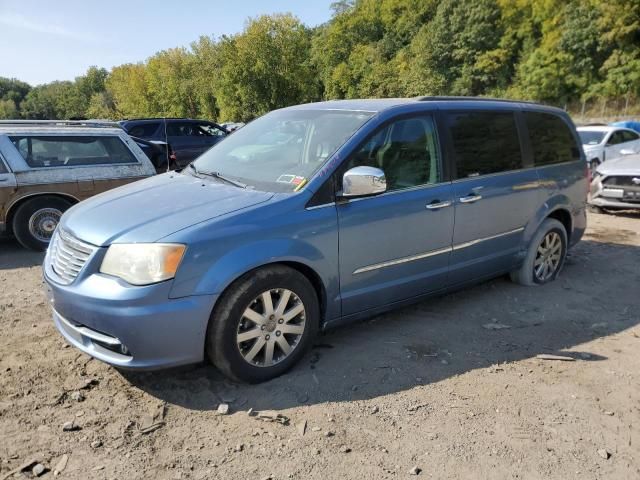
604	142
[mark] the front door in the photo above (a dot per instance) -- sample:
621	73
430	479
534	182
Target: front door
494	196
396	245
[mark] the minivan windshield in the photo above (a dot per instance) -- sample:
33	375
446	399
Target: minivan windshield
591	137
280	151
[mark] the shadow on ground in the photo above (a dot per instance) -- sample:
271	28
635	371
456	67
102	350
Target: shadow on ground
596	296
13	255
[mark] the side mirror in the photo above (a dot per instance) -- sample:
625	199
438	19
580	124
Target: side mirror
360	181
626	151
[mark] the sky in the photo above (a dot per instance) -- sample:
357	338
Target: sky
46	40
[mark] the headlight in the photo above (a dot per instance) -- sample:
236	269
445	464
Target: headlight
143	263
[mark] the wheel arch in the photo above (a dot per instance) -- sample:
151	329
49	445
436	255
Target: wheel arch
564	217
13	207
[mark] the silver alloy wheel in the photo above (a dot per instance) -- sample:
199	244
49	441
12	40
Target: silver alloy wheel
548	256
43	222
266	334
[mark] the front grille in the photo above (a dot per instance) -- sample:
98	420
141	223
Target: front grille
623	181
68	255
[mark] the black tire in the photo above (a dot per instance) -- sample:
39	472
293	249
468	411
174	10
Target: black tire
525	275
222	347
27	235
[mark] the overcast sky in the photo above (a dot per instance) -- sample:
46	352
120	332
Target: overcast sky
47	40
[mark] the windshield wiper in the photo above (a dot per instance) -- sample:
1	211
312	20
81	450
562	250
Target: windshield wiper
219	176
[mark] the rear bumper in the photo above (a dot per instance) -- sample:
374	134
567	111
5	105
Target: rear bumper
130	327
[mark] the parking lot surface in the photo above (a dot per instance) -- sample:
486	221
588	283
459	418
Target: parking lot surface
449	388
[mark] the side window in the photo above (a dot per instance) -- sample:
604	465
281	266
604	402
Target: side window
629	136
616	138
178	129
405	150
144	130
62	151
484	143
3	169
210	130
551	139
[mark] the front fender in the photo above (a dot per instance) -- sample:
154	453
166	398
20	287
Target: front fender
248	257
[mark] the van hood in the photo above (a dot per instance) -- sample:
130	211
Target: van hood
627	165
151	209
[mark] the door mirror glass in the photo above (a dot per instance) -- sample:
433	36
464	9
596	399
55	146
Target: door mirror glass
360	181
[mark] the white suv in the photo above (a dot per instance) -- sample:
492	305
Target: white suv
604	142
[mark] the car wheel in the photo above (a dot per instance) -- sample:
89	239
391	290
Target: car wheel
263	324
36	219
545	256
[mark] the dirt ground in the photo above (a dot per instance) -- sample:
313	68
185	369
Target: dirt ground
427	389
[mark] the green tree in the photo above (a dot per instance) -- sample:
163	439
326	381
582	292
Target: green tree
266	67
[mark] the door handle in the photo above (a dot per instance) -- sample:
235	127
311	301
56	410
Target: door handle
436	205
474	197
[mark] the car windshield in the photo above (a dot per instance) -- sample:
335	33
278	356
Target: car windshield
281	151
591	137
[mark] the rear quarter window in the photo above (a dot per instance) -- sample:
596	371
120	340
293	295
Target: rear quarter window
484	143
69	151
551	139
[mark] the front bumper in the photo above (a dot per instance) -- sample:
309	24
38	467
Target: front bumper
126	326
613	196
605	202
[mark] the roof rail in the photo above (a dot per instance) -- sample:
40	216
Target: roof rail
61	123
469	99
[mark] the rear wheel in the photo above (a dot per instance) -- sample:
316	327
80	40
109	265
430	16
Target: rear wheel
545	256
36	219
263	324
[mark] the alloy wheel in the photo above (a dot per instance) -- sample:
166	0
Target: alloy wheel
548	257
271	327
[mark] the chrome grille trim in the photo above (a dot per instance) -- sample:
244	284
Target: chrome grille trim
68	255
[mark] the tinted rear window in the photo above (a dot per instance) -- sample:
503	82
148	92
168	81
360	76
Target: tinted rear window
68	151
143	130
484	142
551	139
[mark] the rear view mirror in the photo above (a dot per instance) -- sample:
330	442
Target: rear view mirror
360	181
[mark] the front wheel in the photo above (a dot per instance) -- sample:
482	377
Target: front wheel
263	324
545	256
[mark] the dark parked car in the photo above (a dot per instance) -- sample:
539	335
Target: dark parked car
187	138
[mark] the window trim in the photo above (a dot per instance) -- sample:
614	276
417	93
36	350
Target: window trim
519	131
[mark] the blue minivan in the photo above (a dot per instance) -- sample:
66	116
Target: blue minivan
312	216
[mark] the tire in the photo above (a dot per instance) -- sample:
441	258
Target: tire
233	356
551	230
36	219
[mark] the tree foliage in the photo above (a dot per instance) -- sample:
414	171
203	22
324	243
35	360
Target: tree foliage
555	51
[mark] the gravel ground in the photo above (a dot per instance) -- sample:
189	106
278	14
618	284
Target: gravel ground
427	390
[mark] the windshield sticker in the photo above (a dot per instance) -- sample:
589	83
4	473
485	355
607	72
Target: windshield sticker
292	179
